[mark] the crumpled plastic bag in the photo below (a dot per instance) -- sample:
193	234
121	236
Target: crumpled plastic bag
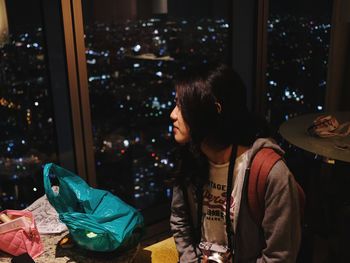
97	220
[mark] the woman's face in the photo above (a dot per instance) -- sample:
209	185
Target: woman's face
180	127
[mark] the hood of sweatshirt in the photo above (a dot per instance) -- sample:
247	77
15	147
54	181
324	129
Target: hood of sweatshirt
238	185
263	143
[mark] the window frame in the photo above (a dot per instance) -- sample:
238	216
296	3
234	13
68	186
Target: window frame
68	79
68	72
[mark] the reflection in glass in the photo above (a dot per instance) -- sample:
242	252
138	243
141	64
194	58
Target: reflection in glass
298	45
26	124
134	51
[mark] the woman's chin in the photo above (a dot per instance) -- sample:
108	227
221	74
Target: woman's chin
181	140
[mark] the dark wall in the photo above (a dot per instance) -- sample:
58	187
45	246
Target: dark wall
120	10
23	14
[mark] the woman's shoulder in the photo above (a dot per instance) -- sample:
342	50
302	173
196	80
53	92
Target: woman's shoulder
280	180
280	175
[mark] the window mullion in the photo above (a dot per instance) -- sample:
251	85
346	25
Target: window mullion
84	92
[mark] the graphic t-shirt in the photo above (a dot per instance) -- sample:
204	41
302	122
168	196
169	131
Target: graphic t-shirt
214	202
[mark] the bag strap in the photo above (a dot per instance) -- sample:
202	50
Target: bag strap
199	195
229	230
261	166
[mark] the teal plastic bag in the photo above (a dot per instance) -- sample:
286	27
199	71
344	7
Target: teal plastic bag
96	219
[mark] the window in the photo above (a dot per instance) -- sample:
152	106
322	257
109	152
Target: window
297	64
134	50
27	138
298	44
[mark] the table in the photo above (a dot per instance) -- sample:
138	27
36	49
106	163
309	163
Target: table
295	132
327	196
54	253
160	252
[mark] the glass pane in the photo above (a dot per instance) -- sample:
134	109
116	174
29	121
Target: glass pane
298	46
134	50
27	139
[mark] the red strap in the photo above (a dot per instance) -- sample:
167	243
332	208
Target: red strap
261	166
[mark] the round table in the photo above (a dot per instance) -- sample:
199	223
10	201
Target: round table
326	188
336	148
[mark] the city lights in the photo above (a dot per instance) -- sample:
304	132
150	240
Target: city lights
130	77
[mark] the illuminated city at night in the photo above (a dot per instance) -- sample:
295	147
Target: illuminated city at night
90	86
131	94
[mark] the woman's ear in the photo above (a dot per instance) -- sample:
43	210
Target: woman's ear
218	107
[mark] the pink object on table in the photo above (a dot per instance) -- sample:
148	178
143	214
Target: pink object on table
20	235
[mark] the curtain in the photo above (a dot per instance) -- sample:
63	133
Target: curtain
338	79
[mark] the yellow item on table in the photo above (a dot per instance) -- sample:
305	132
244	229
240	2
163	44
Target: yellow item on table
66	242
160	252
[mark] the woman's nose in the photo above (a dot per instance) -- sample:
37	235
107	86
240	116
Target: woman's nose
173	114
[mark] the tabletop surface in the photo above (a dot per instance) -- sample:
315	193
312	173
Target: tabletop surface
54	253
295	132
161	252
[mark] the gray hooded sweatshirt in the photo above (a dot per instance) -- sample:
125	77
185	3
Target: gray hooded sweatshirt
277	239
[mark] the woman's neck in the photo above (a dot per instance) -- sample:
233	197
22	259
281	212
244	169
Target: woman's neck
221	156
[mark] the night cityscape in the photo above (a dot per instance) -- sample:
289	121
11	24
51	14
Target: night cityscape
131	68
297	66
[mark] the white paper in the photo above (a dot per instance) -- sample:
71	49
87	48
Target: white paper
46	217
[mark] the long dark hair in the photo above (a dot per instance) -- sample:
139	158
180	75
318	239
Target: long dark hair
212	100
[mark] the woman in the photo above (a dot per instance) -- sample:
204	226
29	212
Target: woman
212	125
